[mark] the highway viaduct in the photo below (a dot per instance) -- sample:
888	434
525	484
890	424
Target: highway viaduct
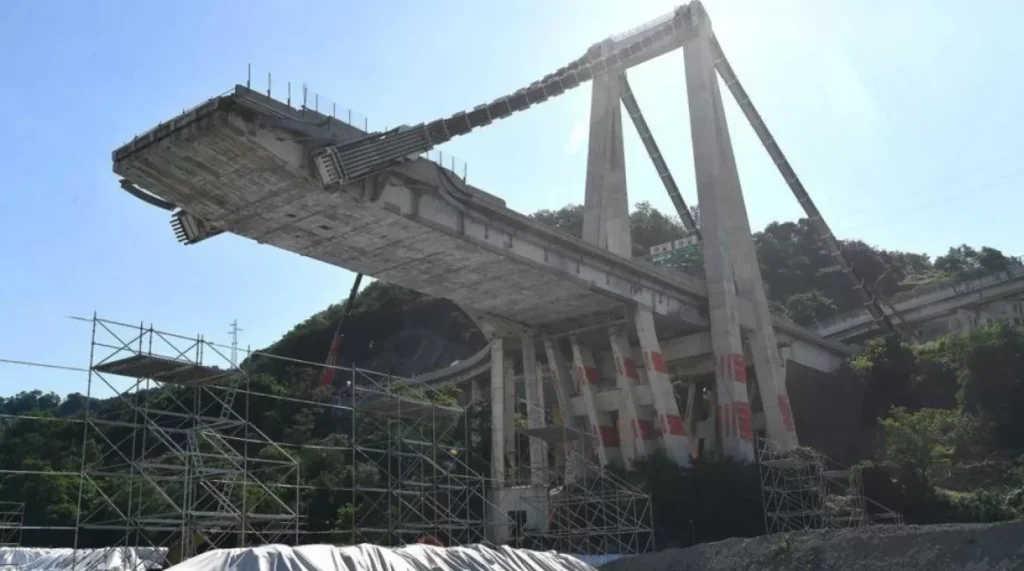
615	335
929	304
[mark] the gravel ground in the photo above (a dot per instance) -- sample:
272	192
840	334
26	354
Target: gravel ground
957	547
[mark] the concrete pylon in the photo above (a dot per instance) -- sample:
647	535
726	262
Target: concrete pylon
714	167
606	205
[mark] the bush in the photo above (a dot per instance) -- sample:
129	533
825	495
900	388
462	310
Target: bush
920	442
712	501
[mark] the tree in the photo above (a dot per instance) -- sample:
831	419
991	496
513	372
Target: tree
964	259
568	219
990	362
886	367
921	442
810	307
935	383
650	228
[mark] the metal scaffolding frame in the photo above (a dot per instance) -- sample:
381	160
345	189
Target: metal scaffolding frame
12	518
190	471
174	460
804	489
589	509
169	460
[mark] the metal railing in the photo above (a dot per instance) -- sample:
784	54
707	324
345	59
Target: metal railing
301	98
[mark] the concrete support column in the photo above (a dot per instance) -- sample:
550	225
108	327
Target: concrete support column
673	429
636	431
601	425
535	412
498	448
731	265
562	378
475	390
509	419
606	205
690	417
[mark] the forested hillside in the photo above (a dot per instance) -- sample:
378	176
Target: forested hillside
959	402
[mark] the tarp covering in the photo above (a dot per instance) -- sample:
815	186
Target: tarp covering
66	558
367	557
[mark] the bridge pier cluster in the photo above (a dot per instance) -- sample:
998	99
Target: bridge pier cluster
606	360
612	383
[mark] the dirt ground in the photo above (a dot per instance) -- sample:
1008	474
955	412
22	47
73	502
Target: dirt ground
963	547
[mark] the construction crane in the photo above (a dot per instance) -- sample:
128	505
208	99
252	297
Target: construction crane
330	367
343	164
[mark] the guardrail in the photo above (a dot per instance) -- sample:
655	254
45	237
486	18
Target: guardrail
302	98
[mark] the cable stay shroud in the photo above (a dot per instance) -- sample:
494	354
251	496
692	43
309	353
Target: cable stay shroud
342	164
872	302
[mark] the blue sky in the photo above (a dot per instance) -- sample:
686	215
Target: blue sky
900	117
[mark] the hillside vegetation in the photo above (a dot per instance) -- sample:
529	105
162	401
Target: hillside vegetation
947	417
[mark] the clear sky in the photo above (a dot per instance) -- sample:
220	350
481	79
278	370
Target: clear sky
902	118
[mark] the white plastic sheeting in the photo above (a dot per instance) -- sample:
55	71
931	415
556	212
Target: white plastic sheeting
66	558
367	557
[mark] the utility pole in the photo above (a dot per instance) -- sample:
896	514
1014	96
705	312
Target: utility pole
233	332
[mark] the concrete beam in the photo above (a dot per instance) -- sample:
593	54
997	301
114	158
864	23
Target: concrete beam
930	305
592	274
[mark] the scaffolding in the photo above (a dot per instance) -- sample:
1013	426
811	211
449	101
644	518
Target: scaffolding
12	518
174	456
804	489
587	508
188	445
169	460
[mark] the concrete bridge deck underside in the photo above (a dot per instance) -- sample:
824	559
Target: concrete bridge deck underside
240	162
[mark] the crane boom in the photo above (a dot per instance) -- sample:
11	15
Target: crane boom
330	367
871	301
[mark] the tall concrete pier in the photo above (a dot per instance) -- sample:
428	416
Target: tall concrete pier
636	427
